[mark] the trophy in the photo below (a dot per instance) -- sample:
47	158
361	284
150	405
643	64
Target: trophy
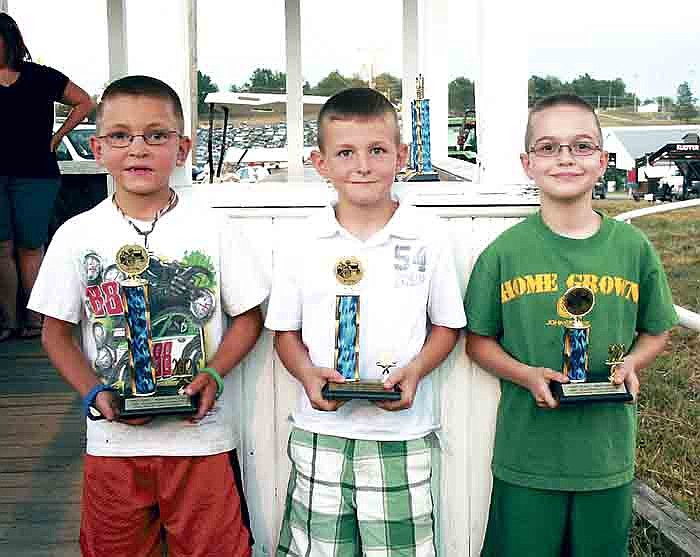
143	393
349	272
577	302
421	168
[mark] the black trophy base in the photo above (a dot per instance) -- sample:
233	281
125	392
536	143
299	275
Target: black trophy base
364	390
423	177
166	402
589	392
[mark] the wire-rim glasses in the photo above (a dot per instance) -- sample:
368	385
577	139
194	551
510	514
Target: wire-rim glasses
550	149
120	140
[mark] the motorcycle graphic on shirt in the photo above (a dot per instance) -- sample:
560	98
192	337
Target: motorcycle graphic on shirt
182	300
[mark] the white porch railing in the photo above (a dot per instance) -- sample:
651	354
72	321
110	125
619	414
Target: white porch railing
688	318
466	396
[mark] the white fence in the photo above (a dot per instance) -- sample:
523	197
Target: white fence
466	396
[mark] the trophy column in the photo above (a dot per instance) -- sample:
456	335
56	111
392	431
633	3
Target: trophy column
349	272
576	338
138	334
146	394
421	164
347	336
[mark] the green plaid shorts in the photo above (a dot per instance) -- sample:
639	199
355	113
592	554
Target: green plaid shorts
350	497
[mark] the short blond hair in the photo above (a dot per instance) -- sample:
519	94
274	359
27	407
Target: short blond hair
560	99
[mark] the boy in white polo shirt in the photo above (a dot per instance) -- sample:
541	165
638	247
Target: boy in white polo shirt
360	480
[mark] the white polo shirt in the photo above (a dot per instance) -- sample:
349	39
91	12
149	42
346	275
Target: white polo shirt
409	282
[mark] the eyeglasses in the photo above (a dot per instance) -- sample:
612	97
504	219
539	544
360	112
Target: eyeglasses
124	139
553	149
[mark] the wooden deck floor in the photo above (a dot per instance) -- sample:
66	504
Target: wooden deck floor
41	448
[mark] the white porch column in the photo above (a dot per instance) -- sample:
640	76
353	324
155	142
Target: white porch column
193	101
116	38
295	85
410	65
501	89
425	51
3	6
167	56
433	66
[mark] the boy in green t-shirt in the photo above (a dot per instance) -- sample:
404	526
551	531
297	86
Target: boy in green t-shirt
562	476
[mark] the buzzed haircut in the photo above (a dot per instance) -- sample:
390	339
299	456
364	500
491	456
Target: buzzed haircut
356	102
142	86
560	99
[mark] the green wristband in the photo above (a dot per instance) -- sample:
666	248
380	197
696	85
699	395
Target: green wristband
219	380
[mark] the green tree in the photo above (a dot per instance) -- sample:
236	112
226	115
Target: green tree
602	92
264	80
460	95
599	92
233	88
540	87
331	84
204	86
685	109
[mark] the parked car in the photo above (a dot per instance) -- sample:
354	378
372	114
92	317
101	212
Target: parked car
75	145
252	173
81	188
692	192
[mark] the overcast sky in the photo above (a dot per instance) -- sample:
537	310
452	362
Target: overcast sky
652	46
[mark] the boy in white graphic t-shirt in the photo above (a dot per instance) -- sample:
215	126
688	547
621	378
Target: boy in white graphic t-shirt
169	473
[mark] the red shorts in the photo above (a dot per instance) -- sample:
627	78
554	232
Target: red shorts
130	505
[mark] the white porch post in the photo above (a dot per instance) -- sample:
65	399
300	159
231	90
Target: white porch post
501	89
433	65
295	85
194	86
3	6
167	56
425	51
116	39
410	65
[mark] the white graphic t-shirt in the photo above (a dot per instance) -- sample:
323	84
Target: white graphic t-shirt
200	269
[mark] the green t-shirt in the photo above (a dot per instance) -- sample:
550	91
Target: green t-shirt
512	296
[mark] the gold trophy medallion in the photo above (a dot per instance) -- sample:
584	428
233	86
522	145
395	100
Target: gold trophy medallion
348	271
577	301
132	260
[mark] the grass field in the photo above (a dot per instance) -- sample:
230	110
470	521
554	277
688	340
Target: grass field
668	456
627	117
